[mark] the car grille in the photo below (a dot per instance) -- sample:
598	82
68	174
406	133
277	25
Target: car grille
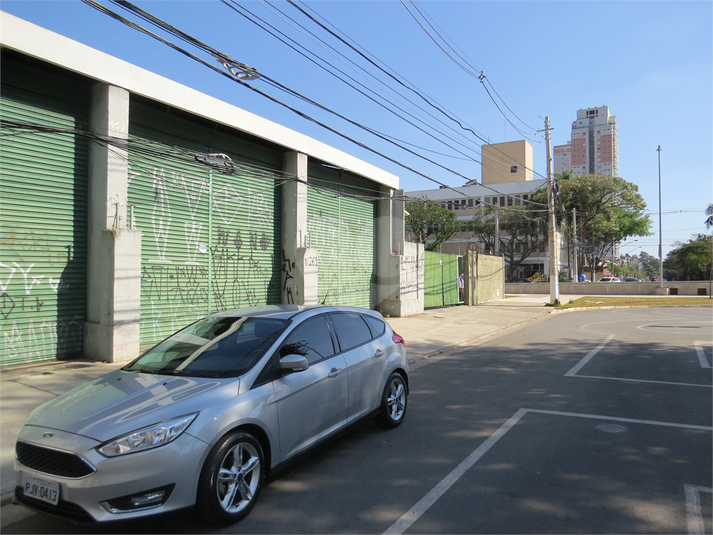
63	509
58	463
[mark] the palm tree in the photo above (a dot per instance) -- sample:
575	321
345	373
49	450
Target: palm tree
709	213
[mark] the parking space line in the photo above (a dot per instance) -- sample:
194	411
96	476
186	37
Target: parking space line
701	354
694	514
641	381
618	419
589	357
418	510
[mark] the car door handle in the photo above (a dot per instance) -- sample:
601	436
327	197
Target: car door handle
379	353
334	372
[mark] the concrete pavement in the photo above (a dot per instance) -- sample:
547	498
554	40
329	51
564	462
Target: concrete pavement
427	336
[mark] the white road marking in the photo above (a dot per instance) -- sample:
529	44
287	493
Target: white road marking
618	419
589	357
418	510
641	381
701	354
694	514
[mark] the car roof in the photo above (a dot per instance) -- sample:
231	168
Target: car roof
286	312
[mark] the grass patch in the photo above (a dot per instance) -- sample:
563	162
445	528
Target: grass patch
606	301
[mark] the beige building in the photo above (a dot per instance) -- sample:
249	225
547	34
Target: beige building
506	162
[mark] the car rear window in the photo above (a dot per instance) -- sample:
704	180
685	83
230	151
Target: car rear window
351	330
377	326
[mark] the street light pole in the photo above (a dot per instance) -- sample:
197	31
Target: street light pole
660	226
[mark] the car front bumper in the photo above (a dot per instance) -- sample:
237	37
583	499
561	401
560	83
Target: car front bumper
106	492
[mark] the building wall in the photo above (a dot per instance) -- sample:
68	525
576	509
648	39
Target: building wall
485	278
615	288
506	162
162	246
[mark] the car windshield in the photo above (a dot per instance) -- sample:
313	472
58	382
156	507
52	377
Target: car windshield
211	347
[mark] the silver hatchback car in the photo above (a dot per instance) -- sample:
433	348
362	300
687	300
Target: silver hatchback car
201	418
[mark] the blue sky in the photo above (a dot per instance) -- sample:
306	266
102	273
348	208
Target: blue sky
651	62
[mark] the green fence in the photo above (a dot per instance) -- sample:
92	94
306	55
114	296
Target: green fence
441	280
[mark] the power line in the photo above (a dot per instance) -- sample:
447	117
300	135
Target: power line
237	77
306	53
468	67
227	60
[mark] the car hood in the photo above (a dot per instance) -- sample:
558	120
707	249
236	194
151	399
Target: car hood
122	402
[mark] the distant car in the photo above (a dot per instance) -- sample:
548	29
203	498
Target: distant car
609	279
521	280
631	279
204	416
653	279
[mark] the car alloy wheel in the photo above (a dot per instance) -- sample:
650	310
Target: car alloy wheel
393	402
231	479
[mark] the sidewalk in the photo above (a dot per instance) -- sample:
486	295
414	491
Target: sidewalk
427	335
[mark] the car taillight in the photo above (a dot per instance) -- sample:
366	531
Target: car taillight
398	340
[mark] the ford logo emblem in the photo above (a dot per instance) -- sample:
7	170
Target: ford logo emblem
48	435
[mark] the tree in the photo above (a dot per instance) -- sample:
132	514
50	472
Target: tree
521	233
608	209
691	259
426	220
649	264
709	213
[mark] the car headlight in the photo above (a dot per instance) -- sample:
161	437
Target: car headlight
147	438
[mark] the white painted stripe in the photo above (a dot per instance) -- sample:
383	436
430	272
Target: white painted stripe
589	357
425	503
641	381
418	510
618	419
694	514
701	355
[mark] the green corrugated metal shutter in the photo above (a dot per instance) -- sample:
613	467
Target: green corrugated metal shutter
43	219
341	223
440	279
211	241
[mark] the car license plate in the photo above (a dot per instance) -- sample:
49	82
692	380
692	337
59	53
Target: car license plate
47	491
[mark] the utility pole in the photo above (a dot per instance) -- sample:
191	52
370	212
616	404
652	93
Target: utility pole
660	226
554	274
574	239
496	245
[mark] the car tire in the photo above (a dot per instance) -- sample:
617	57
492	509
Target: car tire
231	479
393	402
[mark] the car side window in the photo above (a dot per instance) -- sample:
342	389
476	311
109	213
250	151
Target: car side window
377	326
311	339
351	330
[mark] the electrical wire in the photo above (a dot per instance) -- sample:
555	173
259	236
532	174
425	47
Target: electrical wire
464	63
226	60
307	54
398	80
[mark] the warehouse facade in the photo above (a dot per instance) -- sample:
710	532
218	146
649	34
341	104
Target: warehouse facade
131	205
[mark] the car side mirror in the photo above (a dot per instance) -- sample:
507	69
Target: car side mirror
294	363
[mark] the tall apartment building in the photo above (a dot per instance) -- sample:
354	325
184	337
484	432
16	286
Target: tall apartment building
594	147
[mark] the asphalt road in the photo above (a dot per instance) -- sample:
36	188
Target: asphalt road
590	422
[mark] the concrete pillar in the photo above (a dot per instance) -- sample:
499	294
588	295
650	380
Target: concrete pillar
388	257
300	263
399	264
112	329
